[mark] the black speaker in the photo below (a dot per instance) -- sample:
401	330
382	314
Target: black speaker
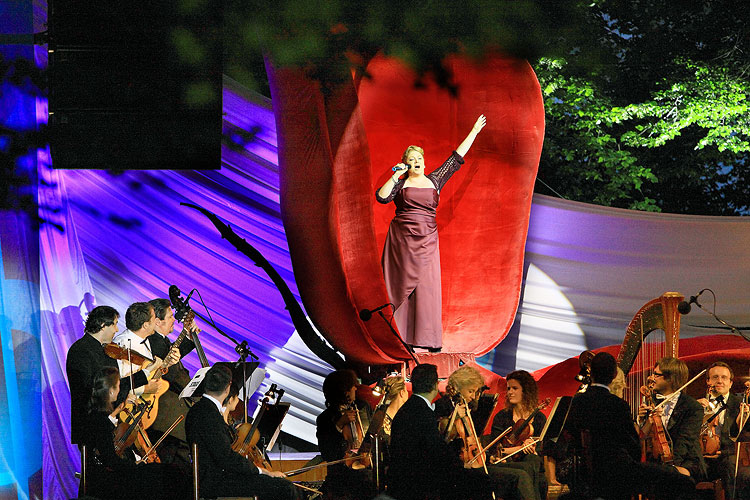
135	85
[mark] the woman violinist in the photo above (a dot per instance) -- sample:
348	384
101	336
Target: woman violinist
113	472
521	413
340	431
462	393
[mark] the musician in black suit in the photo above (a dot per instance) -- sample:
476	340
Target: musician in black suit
614	450
174	448
682	416
222	471
719	379
86	357
422	465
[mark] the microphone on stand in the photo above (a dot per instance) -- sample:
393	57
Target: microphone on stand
366	314
684	307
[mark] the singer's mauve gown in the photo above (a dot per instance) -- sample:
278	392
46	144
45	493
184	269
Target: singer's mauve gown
411	258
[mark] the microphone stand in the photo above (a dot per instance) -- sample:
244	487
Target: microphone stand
395	334
733	329
241	348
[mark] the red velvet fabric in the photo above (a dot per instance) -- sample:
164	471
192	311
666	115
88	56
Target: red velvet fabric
327	144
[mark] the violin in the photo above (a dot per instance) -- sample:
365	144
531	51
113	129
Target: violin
248	435
354	434
656	444
129	432
461	427
522	429
709	438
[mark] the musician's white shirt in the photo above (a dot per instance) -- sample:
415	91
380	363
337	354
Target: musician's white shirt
130	340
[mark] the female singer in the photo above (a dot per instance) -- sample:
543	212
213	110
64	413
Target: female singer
466	381
115	476
411	258
520	403
337	429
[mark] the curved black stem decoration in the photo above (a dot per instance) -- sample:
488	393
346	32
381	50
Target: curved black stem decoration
306	332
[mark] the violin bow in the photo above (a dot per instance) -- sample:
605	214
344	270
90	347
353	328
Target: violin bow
157	443
522	448
493	442
322	464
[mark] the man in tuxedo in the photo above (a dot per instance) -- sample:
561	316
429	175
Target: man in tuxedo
222	471
614	449
86	358
722	402
174	448
681	415
422	465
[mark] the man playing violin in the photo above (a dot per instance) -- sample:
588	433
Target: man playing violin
723	409
462	393
340	429
171	406
222	471
681	415
86	357
614	451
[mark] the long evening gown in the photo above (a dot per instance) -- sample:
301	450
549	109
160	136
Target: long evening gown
411	258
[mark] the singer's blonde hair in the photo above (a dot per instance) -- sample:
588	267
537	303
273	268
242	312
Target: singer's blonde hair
405	156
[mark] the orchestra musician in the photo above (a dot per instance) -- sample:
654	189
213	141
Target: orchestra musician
681	415
139	321
339	431
117	476
465	383
86	357
171	406
720	464
222	471
614	449
520	403
423	465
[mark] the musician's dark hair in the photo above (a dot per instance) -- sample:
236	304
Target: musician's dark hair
722	365
218	377
675	370
104	380
337	384
528	386
161	306
603	368
234	390
137	315
99	317
424	378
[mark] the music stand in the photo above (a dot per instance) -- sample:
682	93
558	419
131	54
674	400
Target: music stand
269	424
557	418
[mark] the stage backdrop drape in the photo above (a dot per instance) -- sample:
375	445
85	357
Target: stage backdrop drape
337	146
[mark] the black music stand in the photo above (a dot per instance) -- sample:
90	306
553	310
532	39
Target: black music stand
269	425
557	418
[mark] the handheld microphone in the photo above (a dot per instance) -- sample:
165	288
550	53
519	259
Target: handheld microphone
366	314
399	169
684	307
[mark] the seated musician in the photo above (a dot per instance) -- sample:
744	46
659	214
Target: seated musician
463	391
222	471
116	475
614	451
174	447
681	415
722	408
423	465
86	357
520	403
340	430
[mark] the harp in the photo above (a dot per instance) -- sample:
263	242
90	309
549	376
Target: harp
659	320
